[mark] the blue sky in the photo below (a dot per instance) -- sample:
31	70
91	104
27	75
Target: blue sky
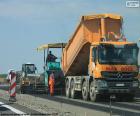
26	24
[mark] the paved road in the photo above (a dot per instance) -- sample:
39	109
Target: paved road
4	109
7	108
77	105
89	108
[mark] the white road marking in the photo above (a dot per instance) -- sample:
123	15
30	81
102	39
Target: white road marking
13	109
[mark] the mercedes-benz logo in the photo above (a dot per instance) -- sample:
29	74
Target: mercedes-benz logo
119	75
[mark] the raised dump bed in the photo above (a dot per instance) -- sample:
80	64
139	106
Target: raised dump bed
91	29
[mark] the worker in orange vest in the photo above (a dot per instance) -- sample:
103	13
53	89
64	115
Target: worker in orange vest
51	83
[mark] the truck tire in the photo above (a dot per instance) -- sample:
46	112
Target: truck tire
67	89
93	95
73	93
84	91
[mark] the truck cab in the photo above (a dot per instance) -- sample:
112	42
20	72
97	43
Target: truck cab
113	69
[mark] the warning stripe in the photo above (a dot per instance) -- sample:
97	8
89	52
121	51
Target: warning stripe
13	85
13	95
13	80
13	92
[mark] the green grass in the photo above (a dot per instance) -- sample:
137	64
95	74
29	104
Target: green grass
3	75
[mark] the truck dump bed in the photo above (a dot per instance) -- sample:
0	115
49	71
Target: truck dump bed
91	29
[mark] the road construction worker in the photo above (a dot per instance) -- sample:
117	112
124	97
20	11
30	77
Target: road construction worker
51	57
51	83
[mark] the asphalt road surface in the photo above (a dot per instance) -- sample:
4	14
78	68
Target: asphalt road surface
116	108
5	109
8	109
88	108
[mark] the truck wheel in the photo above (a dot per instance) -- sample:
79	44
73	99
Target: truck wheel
72	89
93	95
84	91
67	89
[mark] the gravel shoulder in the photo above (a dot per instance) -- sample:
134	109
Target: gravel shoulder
46	106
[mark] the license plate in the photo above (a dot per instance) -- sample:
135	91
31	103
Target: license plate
120	84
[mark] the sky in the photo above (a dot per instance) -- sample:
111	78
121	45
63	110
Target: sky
27	24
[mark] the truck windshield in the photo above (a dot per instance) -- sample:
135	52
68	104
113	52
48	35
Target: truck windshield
110	54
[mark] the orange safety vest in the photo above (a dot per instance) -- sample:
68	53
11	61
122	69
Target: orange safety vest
51	84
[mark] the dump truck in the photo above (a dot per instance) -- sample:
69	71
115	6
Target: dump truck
98	61
30	79
54	67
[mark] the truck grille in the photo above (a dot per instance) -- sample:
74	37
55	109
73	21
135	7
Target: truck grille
119	74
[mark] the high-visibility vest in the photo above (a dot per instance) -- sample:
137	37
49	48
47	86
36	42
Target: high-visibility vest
51	80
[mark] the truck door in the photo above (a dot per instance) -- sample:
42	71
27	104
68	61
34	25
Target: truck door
93	59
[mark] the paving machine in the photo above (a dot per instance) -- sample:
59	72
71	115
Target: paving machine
53	66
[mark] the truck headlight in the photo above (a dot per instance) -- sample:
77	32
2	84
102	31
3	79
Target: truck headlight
135	84
102	83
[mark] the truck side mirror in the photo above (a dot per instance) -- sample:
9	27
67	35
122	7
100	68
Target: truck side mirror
35	68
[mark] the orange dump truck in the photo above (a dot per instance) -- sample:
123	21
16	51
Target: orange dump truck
98	61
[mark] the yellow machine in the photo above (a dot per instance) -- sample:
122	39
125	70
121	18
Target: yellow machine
30	80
